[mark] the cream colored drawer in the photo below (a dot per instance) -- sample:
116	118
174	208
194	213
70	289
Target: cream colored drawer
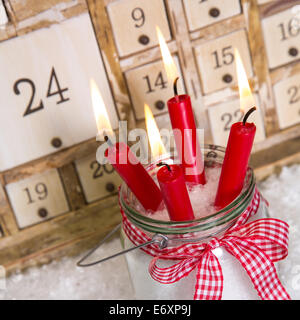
216	61
282	37
133	24
97	180
149	84
287	95
37	198
201	13
224	115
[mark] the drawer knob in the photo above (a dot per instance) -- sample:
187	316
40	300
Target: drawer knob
293	52
159	104
214	12
110	187
143	39
42	212
227	78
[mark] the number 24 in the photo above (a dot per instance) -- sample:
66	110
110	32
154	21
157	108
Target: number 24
59	91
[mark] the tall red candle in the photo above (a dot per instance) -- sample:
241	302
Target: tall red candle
235	162
188	148
135	175
175	194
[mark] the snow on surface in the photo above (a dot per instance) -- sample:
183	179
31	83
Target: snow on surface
110	280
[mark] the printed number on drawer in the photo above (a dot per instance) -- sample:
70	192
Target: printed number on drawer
37	198
223	116
287	95
133	23
282	37
216	60
97	180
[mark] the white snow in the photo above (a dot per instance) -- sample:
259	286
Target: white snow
110	280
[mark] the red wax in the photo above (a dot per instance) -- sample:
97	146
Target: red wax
188	148
235	163
175	194
135	175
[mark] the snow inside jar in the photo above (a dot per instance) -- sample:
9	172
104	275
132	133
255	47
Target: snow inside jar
209	227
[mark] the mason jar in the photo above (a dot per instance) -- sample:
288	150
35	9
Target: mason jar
236	285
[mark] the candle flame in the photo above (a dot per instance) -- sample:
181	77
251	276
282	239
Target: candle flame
169	63
102	119
156	145
246	98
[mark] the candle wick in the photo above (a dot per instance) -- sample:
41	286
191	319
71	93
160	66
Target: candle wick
247	115
175	86
164	164
107	140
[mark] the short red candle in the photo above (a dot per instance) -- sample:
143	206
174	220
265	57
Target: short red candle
188	148
175	194
135	175
235	163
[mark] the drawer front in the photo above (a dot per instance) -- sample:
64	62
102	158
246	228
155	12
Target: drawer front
282	37
287	95
216	61
149	84
223	116
201	13
97	180
133	23
37	198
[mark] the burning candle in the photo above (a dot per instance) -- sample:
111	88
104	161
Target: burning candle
239	145
183	123
124	161
174	191
170	177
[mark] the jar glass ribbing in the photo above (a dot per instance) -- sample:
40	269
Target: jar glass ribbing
237	284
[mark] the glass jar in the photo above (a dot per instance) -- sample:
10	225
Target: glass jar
237	284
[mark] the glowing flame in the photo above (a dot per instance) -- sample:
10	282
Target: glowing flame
102	119
169	63
246	98
156	145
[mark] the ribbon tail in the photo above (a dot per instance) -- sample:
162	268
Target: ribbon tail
260	269
209	285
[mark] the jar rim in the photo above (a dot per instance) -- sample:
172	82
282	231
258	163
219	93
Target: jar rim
228	214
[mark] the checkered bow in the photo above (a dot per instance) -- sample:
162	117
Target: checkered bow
256	245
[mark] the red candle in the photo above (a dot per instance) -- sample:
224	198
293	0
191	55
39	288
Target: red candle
185	135
235	162
175	194
135	175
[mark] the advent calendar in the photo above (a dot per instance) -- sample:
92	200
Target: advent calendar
55	198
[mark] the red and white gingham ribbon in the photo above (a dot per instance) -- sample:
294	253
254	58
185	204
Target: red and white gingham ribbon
256	245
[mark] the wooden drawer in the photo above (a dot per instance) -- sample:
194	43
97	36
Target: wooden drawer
37	198
202	13
216	61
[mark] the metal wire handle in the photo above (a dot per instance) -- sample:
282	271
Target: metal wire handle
159	239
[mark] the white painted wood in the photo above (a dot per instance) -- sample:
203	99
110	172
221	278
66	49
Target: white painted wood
41	191
71	49
287	96
222	117
3	15
216	59
141	84
97	180
199	13
132	19
281	33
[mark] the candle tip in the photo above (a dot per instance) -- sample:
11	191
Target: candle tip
248	114
164	164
